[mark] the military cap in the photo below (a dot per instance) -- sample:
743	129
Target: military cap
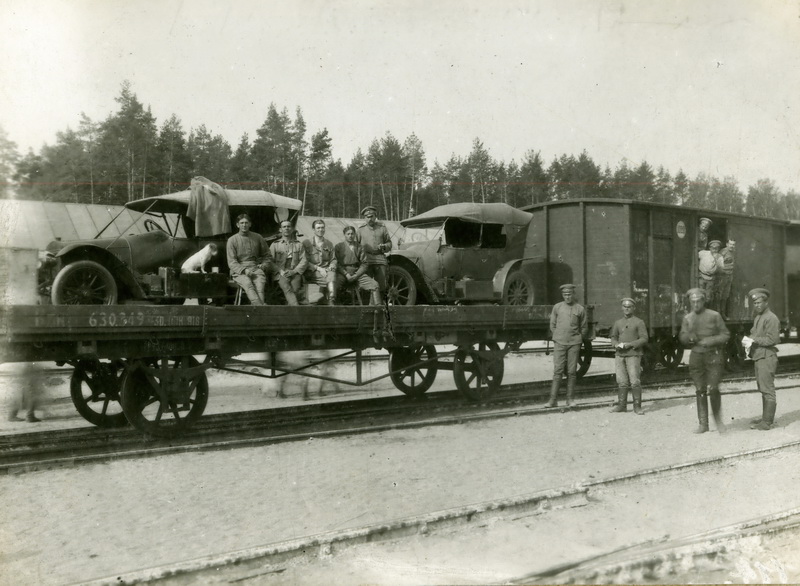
706	220
758	292
368	209
629	300
567	287
717	242
696	293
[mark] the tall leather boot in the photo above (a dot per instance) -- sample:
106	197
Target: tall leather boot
622	401
637	400
702	412
554	393
716	410
768	418
570	390
376	298
331	294
763	408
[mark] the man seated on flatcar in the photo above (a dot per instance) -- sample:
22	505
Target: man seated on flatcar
351	267
321	261
249	260
289	258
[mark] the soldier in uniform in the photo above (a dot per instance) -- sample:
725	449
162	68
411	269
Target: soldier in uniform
766	336
725	276
321	261
707	267
569	326
249	260
628	337
374	237
704	331
702	233
290	263
351	266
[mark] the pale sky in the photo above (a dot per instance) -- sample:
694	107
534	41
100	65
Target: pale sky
702	85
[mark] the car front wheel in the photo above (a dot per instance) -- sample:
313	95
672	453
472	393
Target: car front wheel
518	289
400	286
84	282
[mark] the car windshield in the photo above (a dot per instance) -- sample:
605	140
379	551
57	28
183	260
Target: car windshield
423	232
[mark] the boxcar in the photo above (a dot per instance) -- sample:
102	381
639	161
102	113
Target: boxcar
612	249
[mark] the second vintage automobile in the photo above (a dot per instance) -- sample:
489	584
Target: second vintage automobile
462	252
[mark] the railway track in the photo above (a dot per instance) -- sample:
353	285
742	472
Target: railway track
50	449
656	560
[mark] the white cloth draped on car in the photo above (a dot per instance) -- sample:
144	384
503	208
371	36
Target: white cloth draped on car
208	207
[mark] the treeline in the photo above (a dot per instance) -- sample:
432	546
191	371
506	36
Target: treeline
129	156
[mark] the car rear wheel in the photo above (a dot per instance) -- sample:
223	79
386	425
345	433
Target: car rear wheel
84	282
400	287
518	289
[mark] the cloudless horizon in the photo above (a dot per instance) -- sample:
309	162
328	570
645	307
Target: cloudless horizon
702	86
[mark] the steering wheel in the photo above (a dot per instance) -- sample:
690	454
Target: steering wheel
151	225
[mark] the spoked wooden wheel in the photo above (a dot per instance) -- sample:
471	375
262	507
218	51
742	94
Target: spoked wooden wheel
164	396
478	371
670	352
407	372
94	388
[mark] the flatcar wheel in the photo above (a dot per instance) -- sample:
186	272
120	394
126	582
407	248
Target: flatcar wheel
164	396
585	358
670	352
407	374
94	388
477	372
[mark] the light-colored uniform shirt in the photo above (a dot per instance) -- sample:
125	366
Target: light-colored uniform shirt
706	325
246	252
569	323
289	255
632	331
766	334
370	238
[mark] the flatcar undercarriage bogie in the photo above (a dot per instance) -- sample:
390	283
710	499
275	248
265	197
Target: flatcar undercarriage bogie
164	396
413	369
94	388
478	370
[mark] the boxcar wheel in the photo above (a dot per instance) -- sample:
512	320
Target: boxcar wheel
584	358
477	372
518	289
94	388
84	282
413	378
165	396
670	352
400	286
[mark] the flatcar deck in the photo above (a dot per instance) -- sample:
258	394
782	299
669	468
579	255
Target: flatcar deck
146	357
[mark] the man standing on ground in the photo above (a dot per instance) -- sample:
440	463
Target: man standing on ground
705	332
249	260
766	335
569	327
628	337
375	239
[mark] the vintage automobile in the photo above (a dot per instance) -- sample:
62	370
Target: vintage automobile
146	266
462	252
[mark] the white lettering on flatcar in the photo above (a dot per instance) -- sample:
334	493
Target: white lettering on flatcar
101	319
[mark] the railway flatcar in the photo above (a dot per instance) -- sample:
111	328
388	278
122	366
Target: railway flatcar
612	249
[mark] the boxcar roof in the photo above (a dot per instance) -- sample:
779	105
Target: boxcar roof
175	203
486	213
634	202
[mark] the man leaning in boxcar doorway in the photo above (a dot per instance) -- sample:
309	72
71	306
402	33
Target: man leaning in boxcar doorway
766	335
628	337
569	326
704	331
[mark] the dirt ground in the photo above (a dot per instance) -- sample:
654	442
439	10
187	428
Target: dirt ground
73	525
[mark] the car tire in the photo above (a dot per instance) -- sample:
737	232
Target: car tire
84	282
400	286
518	289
